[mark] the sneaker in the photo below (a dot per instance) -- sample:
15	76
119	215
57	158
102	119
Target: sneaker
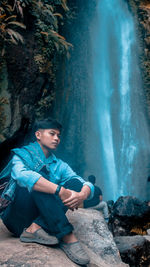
75	252
39	236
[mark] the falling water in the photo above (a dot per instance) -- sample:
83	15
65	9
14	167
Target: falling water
118	106
102	105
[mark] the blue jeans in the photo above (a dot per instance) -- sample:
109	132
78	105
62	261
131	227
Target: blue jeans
47	210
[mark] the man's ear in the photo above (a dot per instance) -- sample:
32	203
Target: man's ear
38	135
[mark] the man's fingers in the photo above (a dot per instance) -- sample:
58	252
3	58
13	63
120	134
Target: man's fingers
71	203
73	206
67	200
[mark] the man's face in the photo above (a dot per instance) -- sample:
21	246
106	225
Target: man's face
49	139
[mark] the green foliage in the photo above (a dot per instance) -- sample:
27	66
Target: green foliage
46	22
9	23
44	104
50	42
47	16
42	18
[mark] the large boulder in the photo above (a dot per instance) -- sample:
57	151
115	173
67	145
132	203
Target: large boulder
134	250
91	230
129	216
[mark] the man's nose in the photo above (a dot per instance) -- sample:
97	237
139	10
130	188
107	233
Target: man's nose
56	137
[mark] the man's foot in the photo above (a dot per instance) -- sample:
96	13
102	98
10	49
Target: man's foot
39	236
75	252
73	249
33	227
70	238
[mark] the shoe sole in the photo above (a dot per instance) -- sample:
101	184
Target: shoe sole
42	242
72	258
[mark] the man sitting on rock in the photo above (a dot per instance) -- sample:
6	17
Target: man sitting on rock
96	202
42	188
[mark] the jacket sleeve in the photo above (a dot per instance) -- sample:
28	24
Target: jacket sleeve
23	176
68	173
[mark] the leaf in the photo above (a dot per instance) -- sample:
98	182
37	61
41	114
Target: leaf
64	5
50	7
12	40
57	34
16	35
2	16
57	46
3	52
17	23
45	33
20	10
59	15
9	8
11	17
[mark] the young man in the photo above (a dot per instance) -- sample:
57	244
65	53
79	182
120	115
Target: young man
42	188
97	202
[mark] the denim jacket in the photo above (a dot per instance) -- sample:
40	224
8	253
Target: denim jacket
26	164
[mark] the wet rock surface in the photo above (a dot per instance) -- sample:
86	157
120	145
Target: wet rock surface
129	216
134	250
90	229
129	223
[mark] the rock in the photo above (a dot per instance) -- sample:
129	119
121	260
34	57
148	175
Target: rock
129	216
90	229
93	232
148	231
134	250
110	204
130	207
16	140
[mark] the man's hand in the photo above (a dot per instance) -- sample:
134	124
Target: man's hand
64	193
74	200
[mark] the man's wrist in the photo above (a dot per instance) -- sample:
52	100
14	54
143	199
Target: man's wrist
83	195
58	190
61	191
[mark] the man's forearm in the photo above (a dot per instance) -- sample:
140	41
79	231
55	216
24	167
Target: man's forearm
43	185
86	191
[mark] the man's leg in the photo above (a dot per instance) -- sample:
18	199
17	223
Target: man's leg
51	217
71	246
74	184
41	208
103	207
20	213
54	220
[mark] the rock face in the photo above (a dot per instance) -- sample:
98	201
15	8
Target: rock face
134	250
90	229
129	218
141	10
128	215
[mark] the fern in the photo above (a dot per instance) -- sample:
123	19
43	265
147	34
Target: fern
8	25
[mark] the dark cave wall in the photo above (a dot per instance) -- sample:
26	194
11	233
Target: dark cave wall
141	11
28	69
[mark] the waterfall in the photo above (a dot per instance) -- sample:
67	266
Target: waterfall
102	105
117	89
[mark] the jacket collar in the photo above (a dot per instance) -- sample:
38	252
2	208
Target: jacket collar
52	158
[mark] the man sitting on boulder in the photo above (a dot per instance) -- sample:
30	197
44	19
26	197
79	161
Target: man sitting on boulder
42	188
97	201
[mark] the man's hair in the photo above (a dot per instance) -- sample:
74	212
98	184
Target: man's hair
92	179
48	123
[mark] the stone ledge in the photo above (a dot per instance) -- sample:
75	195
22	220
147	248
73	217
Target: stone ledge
98	243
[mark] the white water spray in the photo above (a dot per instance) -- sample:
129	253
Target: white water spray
123	132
